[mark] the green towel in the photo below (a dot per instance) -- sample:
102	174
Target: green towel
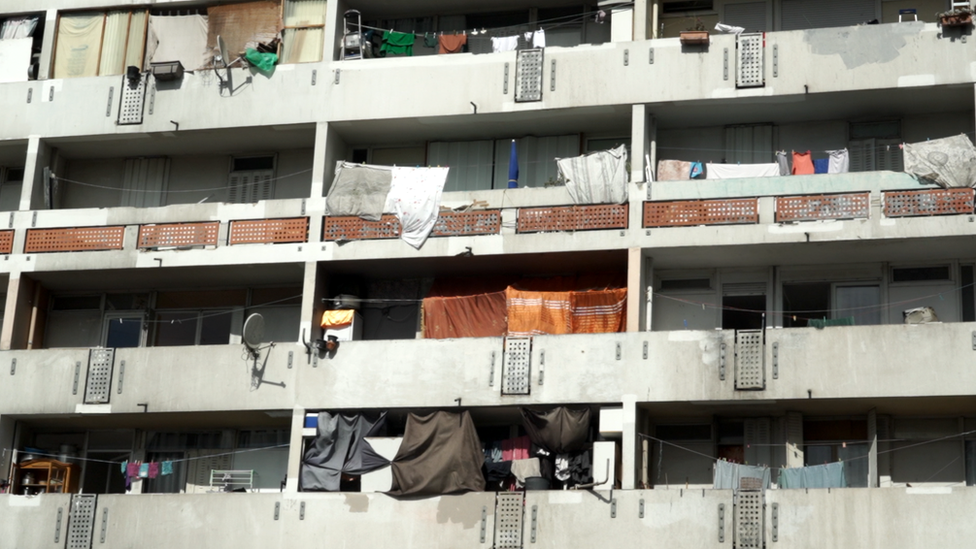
397	43
821	324
264	62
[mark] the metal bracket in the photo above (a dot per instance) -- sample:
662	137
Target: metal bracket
542	366
10	224
618	351
552	75
640	509
725	65
650	56
491	374
613	508
484	522
57	526
291	356
13	366
626	57
645	350
74	388
108	108
974	340
303	206
152	97
315	360
315	74
121	373
301	511
776	360
775	60
34	220
721	364
535	519
50	95
104	524
337	71
30	92
775	522
277	509
721	523
505	84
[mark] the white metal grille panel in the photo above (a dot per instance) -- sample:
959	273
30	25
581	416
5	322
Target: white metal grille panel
749	371
749	67
517	366
98	387
528	76
132	101
81	521
509	510
749	520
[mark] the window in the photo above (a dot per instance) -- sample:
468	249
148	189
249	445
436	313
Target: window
251	179
684	432
749	144
874	146
11	183
304	31
471	163
145	182
920	274
862	302
123	330
536	159
683	6
99	43
20	47
677	285
206	327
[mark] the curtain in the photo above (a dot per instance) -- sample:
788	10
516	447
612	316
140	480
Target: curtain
136	43
78	43
302	45
18	27
304	13
113	43
480	315
535	313
340	447
180	38
440	454
559	430
243	26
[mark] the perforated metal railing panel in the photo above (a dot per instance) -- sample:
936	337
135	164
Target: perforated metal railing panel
749	519
749	371
823	206
928	202
516	366
472	222
749	65
179	235
701	212
6	242
81	521
132	101
98	385
572	218
528	76
509	514
74	240
269	231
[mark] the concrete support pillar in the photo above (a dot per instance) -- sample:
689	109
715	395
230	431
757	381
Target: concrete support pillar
38	158
630	446
794	439
7	428
641	19
655	10
621	22
637	265
313	290
17	313
45	71
883	457
295	448
638	141
333	30
320	161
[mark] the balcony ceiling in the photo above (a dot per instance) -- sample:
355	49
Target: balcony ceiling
394	9
914	406
183	278
13	154
180	421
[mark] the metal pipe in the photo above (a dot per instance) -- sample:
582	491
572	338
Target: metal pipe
592	484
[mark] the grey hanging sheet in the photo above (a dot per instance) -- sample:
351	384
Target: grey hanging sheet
831	475
728	475
359	190
560	430
440	454
339	447
596	178
949	162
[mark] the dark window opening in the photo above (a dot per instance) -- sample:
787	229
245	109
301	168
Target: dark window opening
253	163
683	6
684	432
686	284
918	274
15	174
968	294
802	302
743	312
360	156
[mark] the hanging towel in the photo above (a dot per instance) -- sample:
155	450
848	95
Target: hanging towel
673	170
802	164
124	467
539	39
840	161
143	470
738	171
821	165
831	475
451	43
697	170
430	40
398	43
524	468
153	470
415	198
132	470
167	468
728	475
596	178
504	43
784	163
516	448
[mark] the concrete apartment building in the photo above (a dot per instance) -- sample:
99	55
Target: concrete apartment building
148	213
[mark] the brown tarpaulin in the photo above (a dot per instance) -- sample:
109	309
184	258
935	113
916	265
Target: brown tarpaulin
468	316
243	26
440	454
559	430
595	311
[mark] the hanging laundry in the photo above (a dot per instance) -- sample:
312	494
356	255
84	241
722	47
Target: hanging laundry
539	39
821	165
840	161
124	466
166	468
697	170
728	475
132	469
497	472
784	163
415	197
153	470
738	171
831	475
504	43
430	40
451	43
143	470
673	170
524	468
802	163
516	448
397	43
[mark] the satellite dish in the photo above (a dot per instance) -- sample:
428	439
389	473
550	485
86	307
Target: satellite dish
254	331
223	52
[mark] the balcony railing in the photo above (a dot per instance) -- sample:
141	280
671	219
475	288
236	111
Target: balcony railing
6	242
74	240
823	206
701	212
928	202
572	218
179	235
469	223
269	231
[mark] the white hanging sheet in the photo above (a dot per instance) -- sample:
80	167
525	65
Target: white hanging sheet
415	198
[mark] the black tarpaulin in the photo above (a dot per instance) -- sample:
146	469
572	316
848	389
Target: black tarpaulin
339	447
559	430
440	454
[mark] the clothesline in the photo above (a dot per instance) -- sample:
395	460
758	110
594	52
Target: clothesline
151	191
116	462
219	313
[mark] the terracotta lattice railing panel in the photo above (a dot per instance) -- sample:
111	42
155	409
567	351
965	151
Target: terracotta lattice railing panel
572	218
357	228
179	235
78	239
269	231
701	212
928	202
823	206
472	222
6	242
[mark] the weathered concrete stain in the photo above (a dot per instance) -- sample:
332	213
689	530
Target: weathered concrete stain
862	45
358	503
457	509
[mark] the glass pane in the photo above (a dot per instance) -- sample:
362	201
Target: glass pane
301	13
861	302
123	332
216	328
855	461
818	455
176	328
302	45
